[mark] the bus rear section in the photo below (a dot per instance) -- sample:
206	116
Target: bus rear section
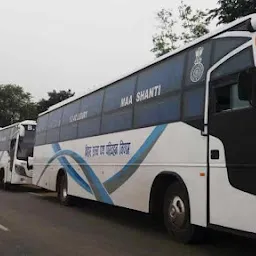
16	153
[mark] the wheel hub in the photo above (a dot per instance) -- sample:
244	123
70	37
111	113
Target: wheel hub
177	211
64	192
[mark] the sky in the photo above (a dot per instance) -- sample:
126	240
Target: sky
81	45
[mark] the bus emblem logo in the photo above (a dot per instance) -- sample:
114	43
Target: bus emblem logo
197	70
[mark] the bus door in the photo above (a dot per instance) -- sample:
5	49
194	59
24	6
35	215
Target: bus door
232	157
11	159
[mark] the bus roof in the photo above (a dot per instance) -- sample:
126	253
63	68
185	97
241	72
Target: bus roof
165	56
28	122
25	122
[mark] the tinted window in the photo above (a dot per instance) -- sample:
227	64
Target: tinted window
241	27
198	63
227	98
223	46
41	130
68	131
69	112
42	123
119	94
194	102
52	135
53	127
40	138
7	134
239	62
117	121
161	111
161	78
236	103
2	140
54	118
90	127
5	139
91	105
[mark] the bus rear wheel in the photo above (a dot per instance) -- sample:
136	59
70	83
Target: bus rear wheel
177	215
62	190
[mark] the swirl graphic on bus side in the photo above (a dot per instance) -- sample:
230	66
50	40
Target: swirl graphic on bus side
92	184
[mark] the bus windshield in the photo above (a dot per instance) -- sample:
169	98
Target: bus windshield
26	143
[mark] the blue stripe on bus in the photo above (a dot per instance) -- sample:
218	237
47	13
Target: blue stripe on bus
102	191
98	189
134	163
69	168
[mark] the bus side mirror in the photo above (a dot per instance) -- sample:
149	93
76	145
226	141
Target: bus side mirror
22	131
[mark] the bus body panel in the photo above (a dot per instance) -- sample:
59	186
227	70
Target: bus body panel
229	207
175	147
5	165
20	173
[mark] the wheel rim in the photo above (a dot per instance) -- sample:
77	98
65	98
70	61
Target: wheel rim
176	212
64	193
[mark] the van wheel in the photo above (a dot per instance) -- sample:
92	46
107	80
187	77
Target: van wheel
63	196
177	215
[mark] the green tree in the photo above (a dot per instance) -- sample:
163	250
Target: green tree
54	97
230	10
16	105
193	23
166	39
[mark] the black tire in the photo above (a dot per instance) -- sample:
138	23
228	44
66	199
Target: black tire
4	185
7	186
62	189
177	216
2	178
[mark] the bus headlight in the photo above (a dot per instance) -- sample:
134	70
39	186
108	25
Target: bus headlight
20	170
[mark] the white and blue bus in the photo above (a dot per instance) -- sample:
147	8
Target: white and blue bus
175	138
16	153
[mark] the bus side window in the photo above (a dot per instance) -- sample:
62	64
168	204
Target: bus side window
222	99
12	152
237	103
226	98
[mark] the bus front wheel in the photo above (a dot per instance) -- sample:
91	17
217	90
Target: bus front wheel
4	185
177	215
2	178
63	196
